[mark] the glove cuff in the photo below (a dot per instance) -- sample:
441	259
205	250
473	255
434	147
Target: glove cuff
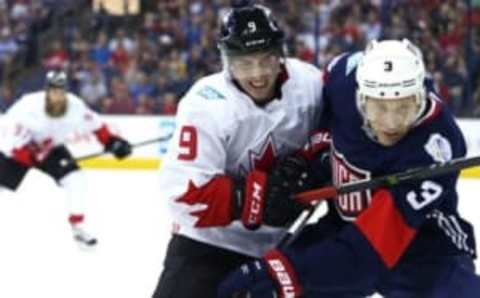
254	200
319	141
112	139
283	274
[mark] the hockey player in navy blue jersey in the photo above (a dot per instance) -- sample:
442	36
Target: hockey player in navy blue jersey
404	241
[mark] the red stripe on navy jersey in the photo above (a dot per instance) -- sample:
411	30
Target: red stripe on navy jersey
217	196
385	228
324	76
433	111
318	142
103	134
282	272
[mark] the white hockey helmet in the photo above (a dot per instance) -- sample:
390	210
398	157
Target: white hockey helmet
56	78
391	69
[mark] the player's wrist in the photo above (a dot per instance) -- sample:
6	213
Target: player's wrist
248	199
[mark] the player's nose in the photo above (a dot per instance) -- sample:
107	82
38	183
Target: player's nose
392	122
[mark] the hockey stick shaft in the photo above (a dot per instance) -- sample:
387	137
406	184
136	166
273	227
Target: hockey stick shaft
297	226
140	144
389	180
317	195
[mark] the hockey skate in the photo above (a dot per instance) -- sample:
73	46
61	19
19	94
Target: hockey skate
83	238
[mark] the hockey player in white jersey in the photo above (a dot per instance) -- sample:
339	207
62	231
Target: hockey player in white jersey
229	170
39	124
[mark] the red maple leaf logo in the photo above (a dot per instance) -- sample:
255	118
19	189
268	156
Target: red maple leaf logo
264	159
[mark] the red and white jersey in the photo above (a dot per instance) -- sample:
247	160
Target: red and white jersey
30	126
221	131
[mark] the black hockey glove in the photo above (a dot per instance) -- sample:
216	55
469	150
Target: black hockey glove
118	147
266	198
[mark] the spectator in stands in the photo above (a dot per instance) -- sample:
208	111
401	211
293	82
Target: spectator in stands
454	78
141	86
93	88
476	97
146	58
6	98
175	38
100	52
162	85
120	101
57	57
372	28
145	105
19	10
168	104
121	40
197	65
8	50
120	58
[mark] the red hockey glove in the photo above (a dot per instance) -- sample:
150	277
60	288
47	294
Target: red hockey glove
267	197
257	199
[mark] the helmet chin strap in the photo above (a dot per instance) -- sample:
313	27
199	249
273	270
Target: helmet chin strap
422	102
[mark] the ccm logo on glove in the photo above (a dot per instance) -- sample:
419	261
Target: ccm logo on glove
252	215
256	204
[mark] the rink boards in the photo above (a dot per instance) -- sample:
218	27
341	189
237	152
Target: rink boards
141	128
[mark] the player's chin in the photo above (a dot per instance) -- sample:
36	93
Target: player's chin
390	140
260	93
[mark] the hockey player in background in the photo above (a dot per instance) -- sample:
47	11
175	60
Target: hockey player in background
404	241
226	176
40	123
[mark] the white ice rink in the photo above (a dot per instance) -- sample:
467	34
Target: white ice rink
38	258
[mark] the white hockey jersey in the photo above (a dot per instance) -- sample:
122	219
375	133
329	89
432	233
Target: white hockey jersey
221	131
28	123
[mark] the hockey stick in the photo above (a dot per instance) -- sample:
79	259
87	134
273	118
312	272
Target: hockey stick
317	195
140	144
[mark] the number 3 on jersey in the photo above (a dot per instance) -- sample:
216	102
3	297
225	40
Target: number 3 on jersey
188	143
430	191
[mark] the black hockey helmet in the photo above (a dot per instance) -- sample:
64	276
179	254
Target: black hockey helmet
249	28
56	79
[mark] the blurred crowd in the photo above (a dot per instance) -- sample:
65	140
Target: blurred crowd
143	63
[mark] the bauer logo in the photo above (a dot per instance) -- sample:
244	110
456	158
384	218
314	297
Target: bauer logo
283	277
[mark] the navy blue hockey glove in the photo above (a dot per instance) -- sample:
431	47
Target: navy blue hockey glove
266	198
272	276
251	279
118	147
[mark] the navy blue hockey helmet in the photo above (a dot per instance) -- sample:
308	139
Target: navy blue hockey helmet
56	79
249	28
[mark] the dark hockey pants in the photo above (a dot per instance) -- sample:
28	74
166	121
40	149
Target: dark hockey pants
57	165
193	269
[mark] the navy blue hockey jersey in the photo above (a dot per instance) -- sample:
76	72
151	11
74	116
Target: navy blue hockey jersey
383	227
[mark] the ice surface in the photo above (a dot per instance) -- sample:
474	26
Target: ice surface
38	257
